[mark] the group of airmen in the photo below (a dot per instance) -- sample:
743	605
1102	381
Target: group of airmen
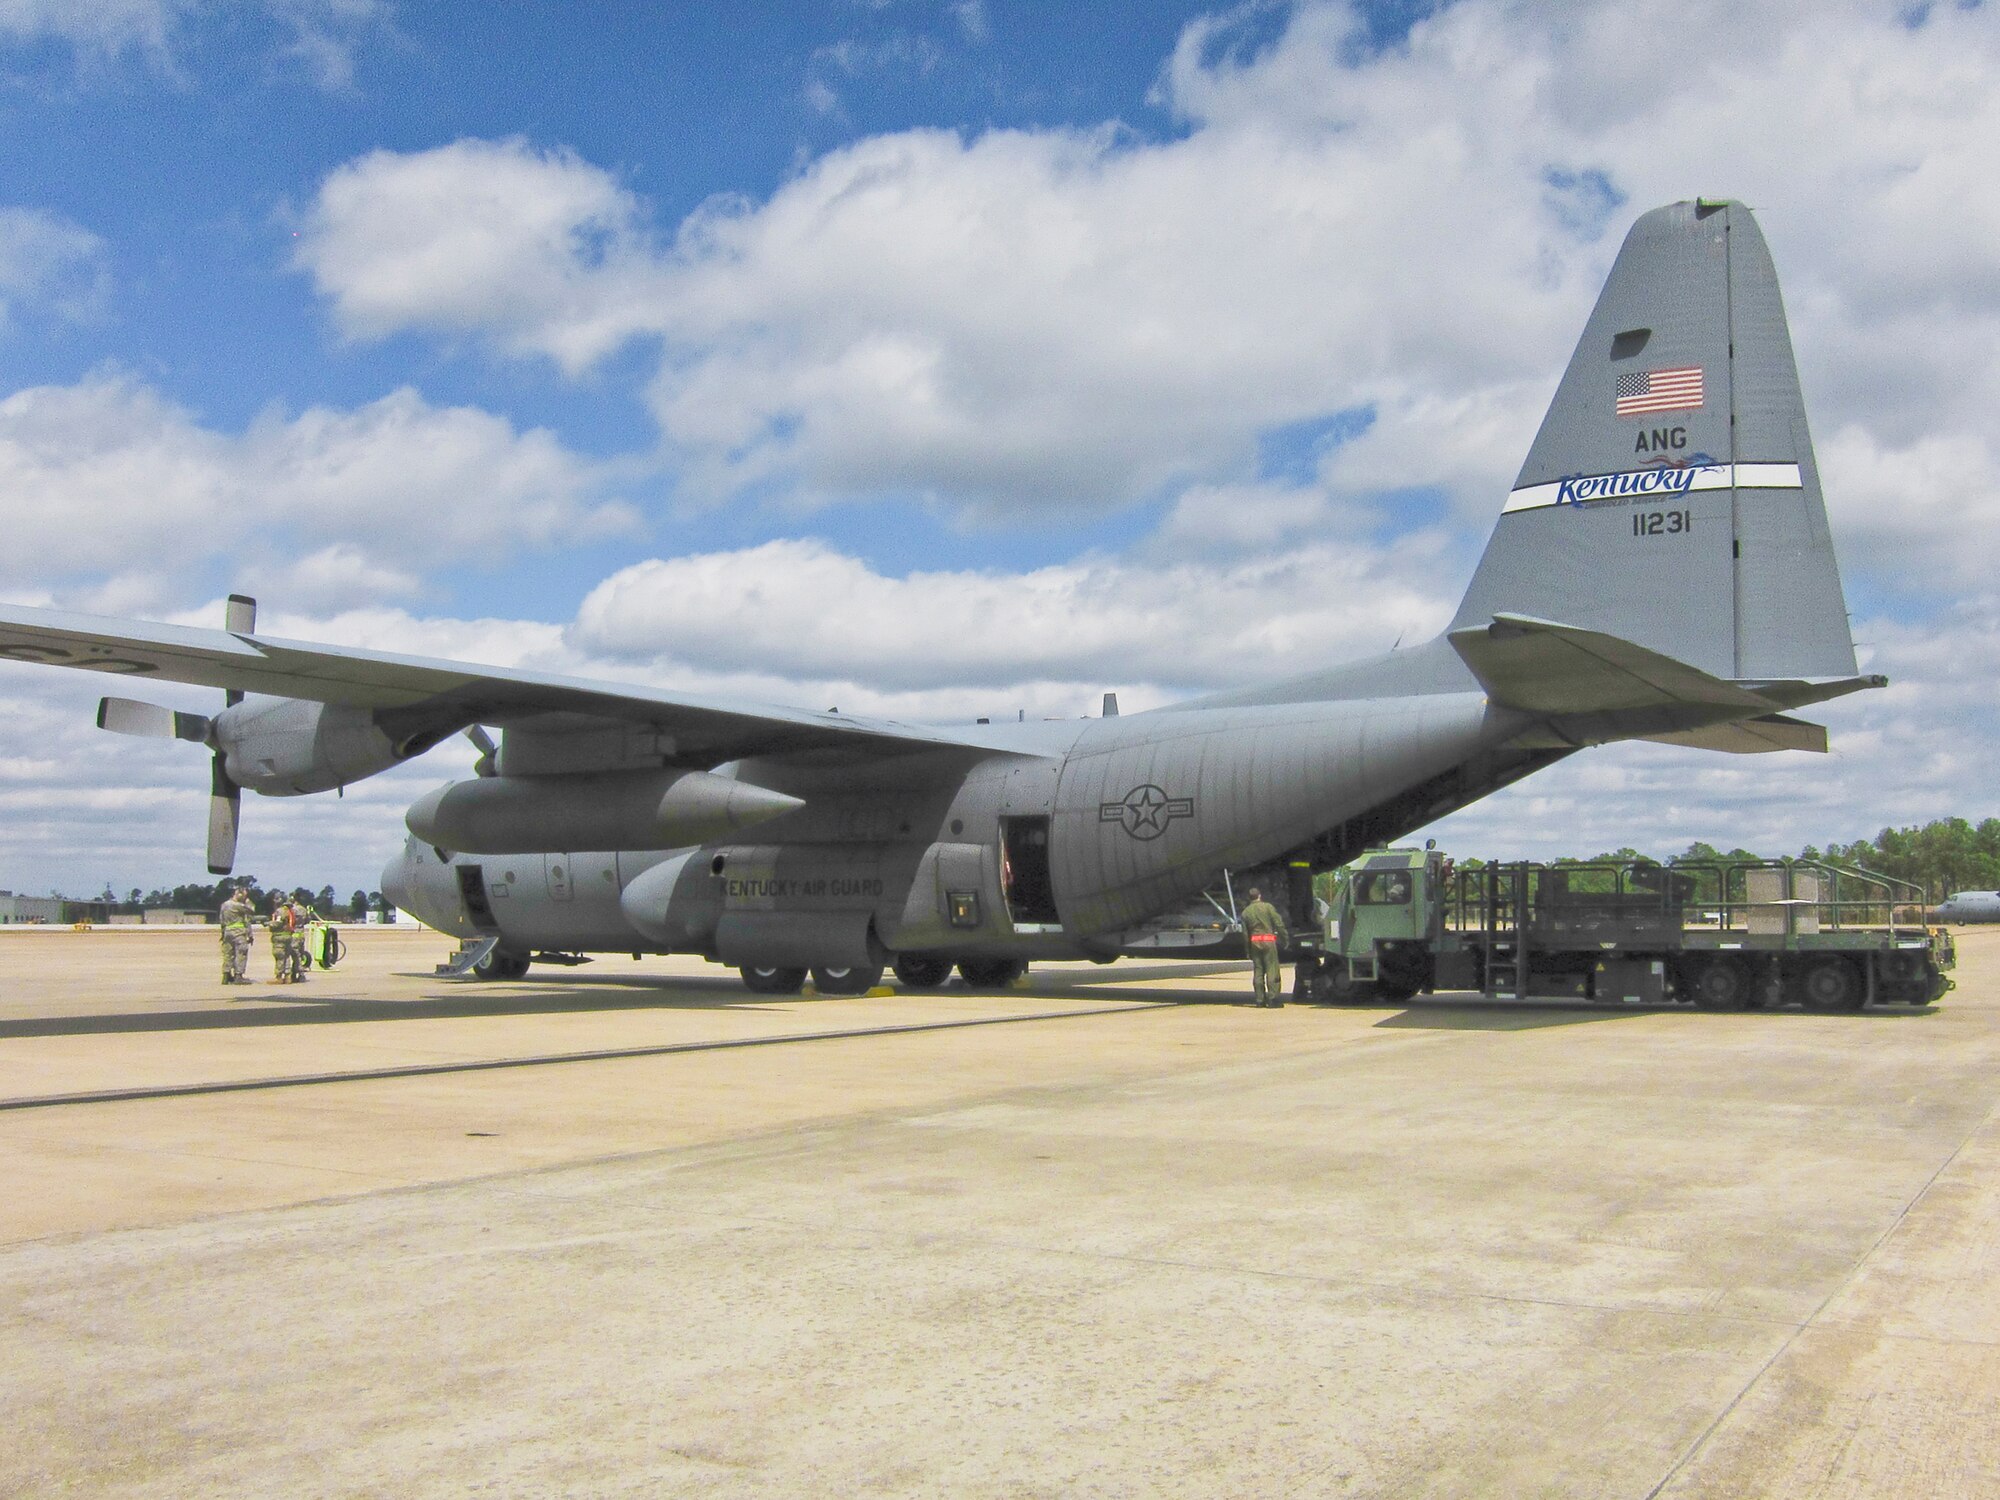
287	925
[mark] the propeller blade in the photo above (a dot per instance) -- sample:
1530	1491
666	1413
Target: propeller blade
488	763
150	721
225	804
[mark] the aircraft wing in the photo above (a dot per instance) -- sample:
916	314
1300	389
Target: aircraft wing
700	728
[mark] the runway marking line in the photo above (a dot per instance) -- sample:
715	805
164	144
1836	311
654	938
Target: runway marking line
550	1059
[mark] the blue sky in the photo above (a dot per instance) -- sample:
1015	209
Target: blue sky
193	160
1131	342
201	157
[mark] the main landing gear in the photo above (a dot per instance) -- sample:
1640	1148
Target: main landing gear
828	979
914	971
922	971
927	971
502	963
990	973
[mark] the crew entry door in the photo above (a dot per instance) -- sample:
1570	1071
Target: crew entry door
472	892
1024	875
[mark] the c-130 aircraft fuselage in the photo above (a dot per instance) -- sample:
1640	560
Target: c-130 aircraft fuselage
1661	570
1050	840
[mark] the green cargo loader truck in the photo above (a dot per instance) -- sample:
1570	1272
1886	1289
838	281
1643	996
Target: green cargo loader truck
1722	935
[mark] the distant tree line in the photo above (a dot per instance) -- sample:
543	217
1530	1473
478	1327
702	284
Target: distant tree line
1944	855
325	902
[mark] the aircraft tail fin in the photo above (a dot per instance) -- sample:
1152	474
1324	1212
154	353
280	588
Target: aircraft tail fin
1671	498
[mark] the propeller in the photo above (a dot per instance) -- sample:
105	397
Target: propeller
488	763
150	721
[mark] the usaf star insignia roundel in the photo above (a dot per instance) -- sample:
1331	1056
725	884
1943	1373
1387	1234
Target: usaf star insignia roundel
1145	811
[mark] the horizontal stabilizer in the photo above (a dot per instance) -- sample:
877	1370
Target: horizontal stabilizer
1751	736
1542	667
1589	688
1794	693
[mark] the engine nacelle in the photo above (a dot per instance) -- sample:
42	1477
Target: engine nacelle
286	747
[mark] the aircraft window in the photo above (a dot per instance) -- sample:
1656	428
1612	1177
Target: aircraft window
1382	888
964	908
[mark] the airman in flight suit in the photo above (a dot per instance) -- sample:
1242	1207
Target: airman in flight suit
1264	929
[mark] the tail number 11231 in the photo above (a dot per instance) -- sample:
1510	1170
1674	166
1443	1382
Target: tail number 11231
1662	522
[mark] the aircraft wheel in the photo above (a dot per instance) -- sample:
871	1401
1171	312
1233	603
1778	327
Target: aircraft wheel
922	971
990	973
501	964
1719	984
768	979
845	979
1831	984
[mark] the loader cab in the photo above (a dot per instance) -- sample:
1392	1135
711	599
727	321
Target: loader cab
1386	896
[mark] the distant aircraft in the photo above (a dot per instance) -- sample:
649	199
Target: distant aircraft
1970	906
1660	571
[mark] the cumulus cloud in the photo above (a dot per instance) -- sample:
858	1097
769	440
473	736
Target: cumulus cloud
108	478
537	248
1930	504
104	27
49	262
1058	318
805	611
1035	319
321	35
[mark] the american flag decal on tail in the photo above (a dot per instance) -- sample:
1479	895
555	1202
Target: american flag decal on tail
1660	390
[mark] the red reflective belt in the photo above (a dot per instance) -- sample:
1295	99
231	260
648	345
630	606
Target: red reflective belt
1263	937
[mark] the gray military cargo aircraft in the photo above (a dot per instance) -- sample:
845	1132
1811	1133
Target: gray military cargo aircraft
1969	906
1660	571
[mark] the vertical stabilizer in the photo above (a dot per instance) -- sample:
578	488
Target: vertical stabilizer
1671	497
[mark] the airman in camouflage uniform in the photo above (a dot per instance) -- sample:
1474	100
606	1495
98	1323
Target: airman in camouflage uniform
284	939
1264	929
235	918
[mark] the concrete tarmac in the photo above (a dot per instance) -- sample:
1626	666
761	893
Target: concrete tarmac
381	1234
